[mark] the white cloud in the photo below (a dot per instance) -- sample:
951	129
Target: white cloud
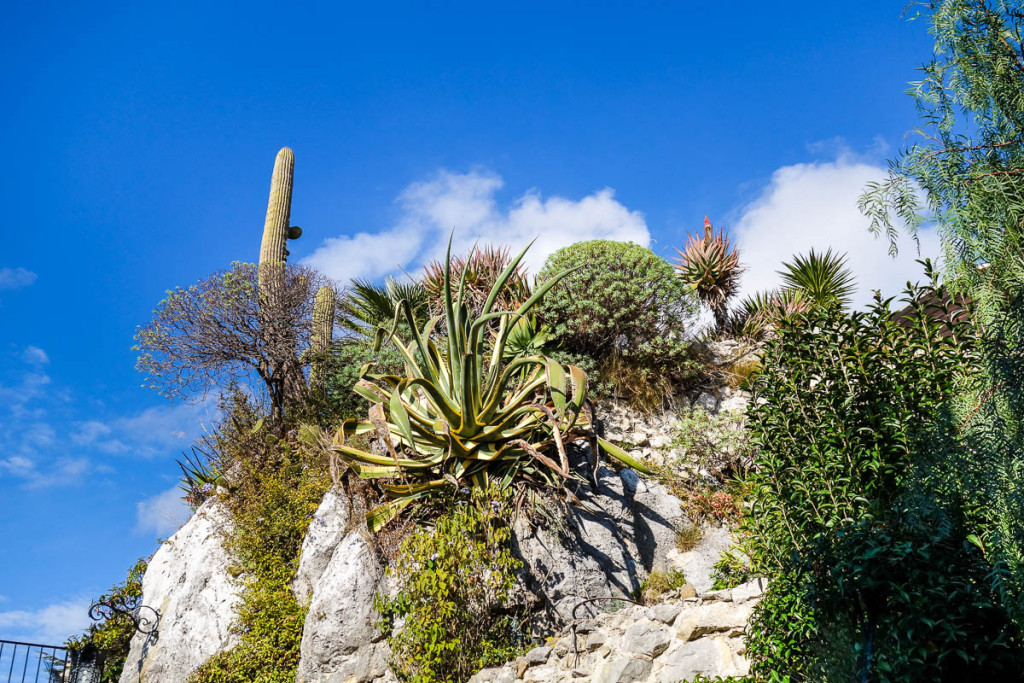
162	514
16	278
49	625
38	429
162	430
465	203
59	473
34	355
814	205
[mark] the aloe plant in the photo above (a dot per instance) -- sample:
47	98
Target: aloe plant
463	414
761	311
480	270
711	265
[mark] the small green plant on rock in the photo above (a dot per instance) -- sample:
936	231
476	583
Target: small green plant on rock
688	537
456	577
731	570
659	582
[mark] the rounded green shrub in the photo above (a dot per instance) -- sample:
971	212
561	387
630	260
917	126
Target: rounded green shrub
623	307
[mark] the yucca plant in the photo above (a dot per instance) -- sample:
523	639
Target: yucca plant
711	265
200	477
823	278
465	416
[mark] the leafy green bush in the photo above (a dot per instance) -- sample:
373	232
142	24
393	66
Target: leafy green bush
113	634
275	488
456	578
858	513
967	158
623	307
731	570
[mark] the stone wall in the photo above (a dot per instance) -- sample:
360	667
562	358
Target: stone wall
673	641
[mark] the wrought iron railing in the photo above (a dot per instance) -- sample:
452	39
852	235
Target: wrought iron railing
34	663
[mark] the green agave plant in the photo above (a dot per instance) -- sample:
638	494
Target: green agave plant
464	414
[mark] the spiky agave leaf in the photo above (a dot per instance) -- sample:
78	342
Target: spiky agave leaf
464	413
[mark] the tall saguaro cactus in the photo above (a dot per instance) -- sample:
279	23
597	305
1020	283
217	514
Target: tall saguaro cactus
323	334
276	231
287	377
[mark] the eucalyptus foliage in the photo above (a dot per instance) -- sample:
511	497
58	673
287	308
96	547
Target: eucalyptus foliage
965	170
463	414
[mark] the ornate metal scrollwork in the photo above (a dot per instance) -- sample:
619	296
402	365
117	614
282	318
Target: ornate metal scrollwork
145	618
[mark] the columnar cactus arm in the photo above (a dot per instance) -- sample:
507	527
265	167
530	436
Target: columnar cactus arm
276	230
323	333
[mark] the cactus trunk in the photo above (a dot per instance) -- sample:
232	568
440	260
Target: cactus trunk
287	379
323	333
279	209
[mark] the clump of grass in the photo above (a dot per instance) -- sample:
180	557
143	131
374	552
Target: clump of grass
660	582
739	372
689	537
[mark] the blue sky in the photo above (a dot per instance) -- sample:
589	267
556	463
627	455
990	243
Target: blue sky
140	140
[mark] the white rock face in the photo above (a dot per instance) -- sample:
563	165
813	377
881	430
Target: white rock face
328	527
340	641
188	583
698	564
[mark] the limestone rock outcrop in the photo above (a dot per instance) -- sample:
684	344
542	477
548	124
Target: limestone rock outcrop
188	583
339	576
